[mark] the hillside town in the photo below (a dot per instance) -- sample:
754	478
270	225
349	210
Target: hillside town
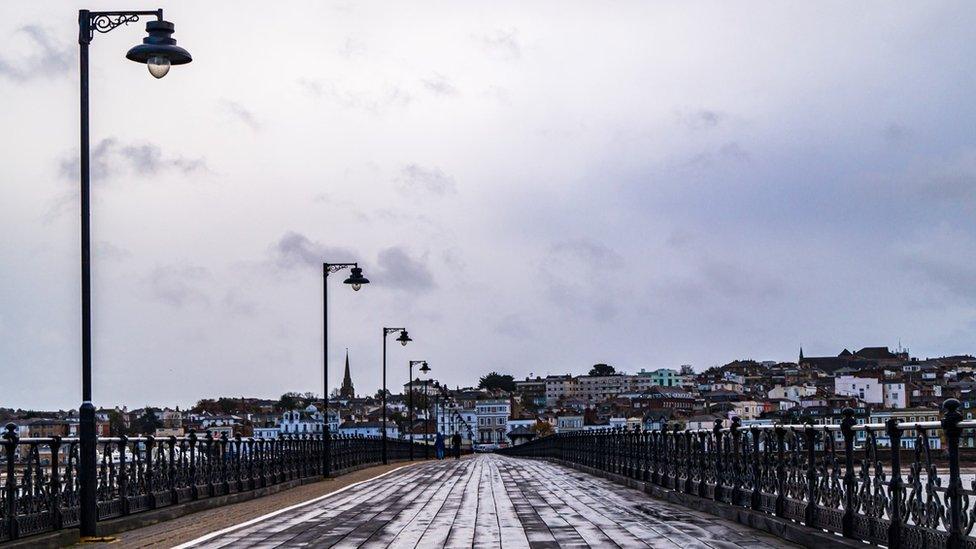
876	382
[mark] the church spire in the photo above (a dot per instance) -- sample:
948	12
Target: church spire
347	390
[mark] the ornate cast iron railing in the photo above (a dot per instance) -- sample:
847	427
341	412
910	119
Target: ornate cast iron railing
39	476
817	475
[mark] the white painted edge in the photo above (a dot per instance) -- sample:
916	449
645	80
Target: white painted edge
229	529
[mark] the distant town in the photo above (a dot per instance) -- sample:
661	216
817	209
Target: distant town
877	383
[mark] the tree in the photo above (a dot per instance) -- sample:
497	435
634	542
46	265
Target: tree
543	428
147	423
602	370
494	380
206	405
116	424
229	405
288	401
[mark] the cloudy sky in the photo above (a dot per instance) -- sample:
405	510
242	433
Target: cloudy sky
530	187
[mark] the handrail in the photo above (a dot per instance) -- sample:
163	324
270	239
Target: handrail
39	476
848	478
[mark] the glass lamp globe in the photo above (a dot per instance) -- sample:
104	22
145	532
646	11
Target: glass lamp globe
158	66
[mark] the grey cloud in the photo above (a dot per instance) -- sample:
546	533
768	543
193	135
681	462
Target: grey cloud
295	250
514	326
895	133
941	258
734	151
179	285
107	250
730	151
242	114
579	275
433	181
397	270
438	84
109	158
703	119
235	302
950	181
503	44
47	59
453	258
376	102
591	254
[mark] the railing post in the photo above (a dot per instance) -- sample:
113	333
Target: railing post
655	458
123	475
262	462
55	502
225	483
755	500
194	491
647	454
209	439
688	437
895	486
150	475
810	513
850	485
171	447
662	449
780	471
950	425
719	472
702	463
239	451
10	440
736	449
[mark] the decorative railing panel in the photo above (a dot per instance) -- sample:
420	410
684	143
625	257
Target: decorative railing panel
39	487
847	479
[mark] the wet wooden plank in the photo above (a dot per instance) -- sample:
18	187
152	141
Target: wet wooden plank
494	502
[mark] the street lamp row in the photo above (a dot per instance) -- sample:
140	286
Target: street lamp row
158	51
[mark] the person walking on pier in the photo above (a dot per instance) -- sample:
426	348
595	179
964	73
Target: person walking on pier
439	446
456	444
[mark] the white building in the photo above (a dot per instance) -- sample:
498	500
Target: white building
895	395
266	432
301	422
569	423
867	389
369	429
600	388
792	392
748	409
453	418
493	417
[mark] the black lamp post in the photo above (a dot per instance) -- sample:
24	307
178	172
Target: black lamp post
424	368
355	281
158	51
426	417
403	339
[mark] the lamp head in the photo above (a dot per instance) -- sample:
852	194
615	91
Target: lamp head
425	368
404	338
159	50
356	279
